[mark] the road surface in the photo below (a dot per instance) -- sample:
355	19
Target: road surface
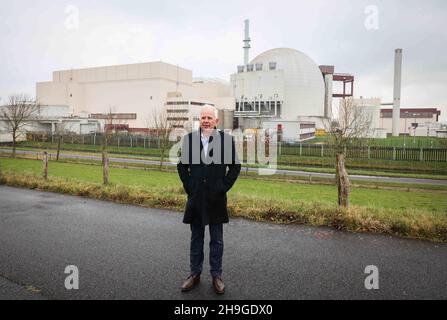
129	252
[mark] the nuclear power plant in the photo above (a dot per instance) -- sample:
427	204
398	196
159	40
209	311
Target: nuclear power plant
285	90
282	89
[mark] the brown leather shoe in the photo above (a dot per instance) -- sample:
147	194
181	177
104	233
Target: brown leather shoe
190	283
218	285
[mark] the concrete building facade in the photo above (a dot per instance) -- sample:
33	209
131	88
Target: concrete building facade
52	119
371	111
281	87
412	121
131	92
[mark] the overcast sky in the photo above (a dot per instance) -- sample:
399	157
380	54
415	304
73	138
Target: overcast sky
357	36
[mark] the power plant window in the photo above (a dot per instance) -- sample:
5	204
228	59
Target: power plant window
259	67
272	65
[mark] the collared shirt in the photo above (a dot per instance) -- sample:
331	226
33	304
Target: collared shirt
205	142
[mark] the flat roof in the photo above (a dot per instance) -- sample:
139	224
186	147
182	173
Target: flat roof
432	110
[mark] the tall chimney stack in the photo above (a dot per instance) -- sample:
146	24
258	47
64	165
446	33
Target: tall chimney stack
247	42
397	91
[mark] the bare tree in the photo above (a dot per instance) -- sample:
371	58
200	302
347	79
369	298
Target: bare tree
45	165
108	131
60	130
164	124
351	129
18	112
112	125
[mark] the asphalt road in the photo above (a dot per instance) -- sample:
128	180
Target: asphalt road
286	172
128	252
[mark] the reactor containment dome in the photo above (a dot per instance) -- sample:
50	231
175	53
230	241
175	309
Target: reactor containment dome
280	83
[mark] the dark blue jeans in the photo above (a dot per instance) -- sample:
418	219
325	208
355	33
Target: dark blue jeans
216	249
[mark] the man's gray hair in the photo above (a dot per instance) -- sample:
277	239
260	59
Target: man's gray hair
215	110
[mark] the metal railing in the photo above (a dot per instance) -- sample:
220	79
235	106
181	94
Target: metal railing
370	152
299	150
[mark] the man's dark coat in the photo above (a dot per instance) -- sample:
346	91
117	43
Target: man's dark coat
206	179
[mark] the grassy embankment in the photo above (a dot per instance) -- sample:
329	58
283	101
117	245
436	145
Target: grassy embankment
417	214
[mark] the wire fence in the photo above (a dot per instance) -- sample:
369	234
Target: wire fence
145	142
296	150
370	152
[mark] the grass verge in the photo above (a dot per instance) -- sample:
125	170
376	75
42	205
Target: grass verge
311	165
420	215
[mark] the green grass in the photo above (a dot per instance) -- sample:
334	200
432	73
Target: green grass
418	214
138	150
270	190
423	170
304	178
401	141
416	167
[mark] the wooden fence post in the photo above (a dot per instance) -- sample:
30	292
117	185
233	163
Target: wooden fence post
45	165
105	167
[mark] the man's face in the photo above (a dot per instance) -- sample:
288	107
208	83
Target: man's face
208	121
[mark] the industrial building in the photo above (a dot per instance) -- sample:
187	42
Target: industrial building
370	110
285	90
133	93
407	121
51	119
412	121
281	89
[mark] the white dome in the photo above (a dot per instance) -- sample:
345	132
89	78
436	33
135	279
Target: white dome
304	83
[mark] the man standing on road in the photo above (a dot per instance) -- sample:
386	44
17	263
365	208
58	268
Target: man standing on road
206	154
